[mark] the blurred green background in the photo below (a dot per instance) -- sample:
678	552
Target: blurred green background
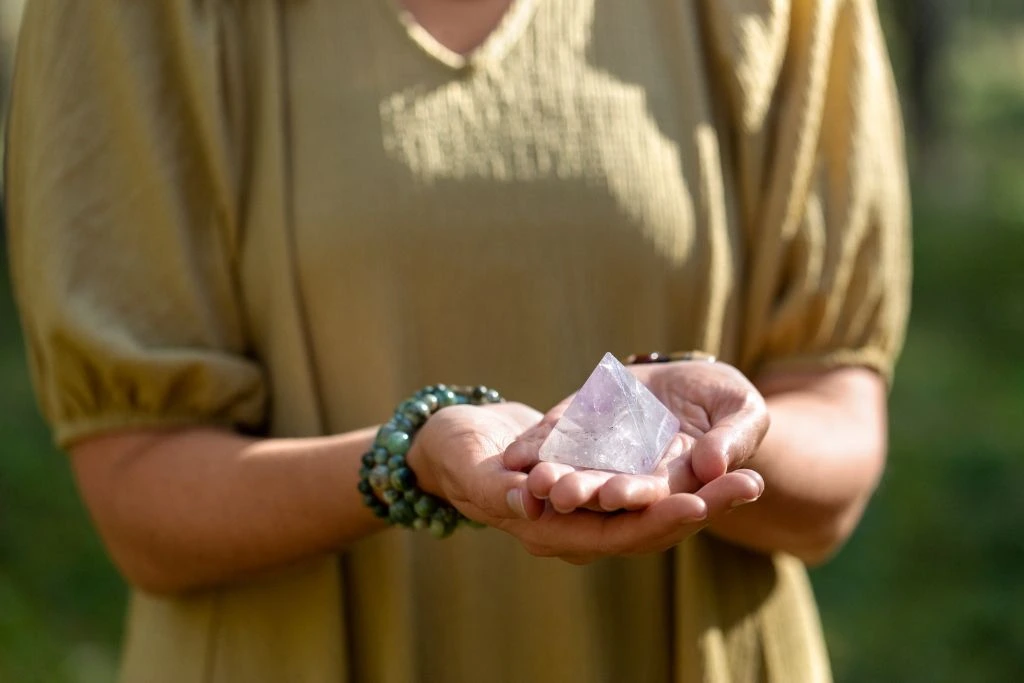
931	588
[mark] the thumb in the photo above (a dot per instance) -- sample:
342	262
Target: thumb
523	505
524	452
501	494
730	442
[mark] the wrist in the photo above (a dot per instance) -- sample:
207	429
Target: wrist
390	485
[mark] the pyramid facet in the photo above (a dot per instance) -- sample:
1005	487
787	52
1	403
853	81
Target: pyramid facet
613	423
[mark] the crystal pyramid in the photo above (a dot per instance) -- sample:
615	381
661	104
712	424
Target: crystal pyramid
613	423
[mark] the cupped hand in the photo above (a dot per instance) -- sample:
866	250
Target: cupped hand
723	419
583	536
457	455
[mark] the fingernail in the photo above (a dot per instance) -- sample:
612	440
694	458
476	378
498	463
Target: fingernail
757	479
514	498
743	501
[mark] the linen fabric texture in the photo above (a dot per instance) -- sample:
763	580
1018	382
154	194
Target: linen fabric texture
281	216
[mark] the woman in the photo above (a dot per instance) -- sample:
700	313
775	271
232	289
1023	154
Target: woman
242	231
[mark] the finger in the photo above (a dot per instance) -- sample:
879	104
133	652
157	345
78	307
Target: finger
677	515
544	476
522	505
631	492
731	490
524	452
732	440
720	496
586	535
577	489
496	493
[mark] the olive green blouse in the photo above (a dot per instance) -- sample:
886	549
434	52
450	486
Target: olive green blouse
282	216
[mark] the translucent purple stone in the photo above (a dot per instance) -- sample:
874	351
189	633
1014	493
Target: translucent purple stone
614	423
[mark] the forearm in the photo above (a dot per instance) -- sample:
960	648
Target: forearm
821	461
188	509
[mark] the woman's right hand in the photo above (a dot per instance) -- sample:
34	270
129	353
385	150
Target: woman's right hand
458	455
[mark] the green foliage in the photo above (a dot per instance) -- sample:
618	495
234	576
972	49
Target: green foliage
60	600
929	588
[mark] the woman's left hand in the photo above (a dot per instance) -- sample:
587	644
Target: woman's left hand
722	417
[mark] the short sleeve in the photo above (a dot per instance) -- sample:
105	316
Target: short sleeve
822	179
120	186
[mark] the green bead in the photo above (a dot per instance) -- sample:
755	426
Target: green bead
430	400
446	397
416	412
397	443
425	506
396	462
491	396
478	393
380	478
448	515
364	487
403	479
391	496
368	459
370	500
420	524
386	430
380	456
401	513
379	509
438	529
403	424
364	472
412	496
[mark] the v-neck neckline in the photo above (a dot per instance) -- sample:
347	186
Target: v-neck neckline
493	48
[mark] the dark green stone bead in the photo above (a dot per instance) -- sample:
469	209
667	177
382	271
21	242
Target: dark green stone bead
492	396
396	462
379	509
431	402
439	529
380	456
403	424
386	430
370	500
446	398
416	412
397	443
364	472
403	479
420	524
478	393
380	478
447	514
391	496
425	506
438	388
401	513
368	460
413	496
364	487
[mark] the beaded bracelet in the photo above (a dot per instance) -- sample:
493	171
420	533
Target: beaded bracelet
655	357
388	484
